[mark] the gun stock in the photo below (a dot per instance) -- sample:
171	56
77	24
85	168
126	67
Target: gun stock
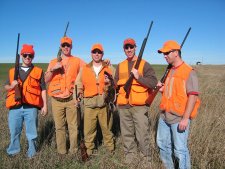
59	58
16	73
163	79
127	86
83	148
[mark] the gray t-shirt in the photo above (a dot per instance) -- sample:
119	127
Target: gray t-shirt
191	89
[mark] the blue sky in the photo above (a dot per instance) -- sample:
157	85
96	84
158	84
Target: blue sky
42	23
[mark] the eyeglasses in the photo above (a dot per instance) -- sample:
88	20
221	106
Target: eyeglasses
28	55
167	53
97	51
128	46
66	45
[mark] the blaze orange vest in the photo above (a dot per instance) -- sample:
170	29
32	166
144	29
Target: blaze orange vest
138	94
61	82
93	86
174	98
30	89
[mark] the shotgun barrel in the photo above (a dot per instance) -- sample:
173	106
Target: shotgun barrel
16	73
127	86
59	58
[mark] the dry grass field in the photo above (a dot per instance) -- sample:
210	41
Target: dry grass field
206	141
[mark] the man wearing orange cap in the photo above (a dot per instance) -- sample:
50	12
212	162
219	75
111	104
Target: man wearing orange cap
133	110
178	106
92	84
61	77
33	90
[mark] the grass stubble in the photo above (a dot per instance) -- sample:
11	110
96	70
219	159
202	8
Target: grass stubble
206	138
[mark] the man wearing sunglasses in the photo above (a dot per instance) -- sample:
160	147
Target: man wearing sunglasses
61	78
178	106
92	83
133	110
33	97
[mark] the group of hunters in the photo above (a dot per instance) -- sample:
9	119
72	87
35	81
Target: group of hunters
179	102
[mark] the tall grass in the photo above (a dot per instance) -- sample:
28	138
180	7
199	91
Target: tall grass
206	140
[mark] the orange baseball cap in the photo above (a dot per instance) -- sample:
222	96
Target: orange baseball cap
129	41
28	49
97	46
168	46
66	40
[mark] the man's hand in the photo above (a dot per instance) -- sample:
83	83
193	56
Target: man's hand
57	66
13	84
78	100
183	124
44	110
135	72
107	61
161	86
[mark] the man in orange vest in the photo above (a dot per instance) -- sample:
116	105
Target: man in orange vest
33	90
133	110
61	77
178	106
92	83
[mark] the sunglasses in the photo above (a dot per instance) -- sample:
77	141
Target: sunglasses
28	55
66	45
167	53
97	51
128	46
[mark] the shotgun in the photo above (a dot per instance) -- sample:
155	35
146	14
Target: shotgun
83	148
16	73
59	58
155	90
127	86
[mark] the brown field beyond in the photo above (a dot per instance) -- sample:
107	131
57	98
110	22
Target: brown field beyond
206	140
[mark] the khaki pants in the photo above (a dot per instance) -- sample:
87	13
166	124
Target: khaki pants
91	115
134	125
65	113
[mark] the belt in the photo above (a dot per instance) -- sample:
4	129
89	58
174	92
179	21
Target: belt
64	99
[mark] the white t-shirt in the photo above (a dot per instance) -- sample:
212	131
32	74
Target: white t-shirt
97	69
25	68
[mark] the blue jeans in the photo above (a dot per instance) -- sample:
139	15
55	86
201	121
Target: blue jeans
171	141
15	121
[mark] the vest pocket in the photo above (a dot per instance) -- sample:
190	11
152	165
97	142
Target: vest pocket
10	99
55	87
138	95
33	81
34	91
121	99
179	104
33	96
